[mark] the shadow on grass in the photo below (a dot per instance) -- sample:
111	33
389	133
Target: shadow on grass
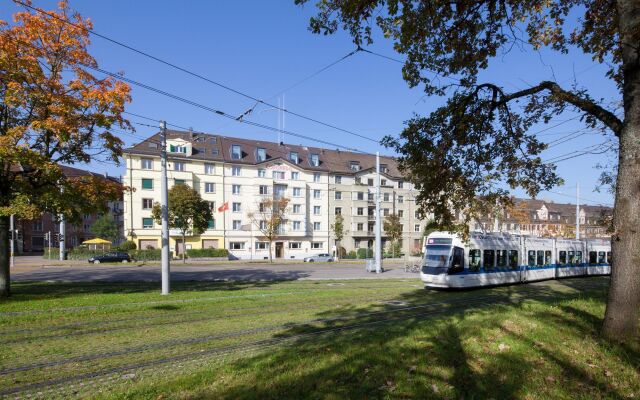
415	350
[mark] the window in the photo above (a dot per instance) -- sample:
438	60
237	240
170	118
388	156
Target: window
593	257
262	225
531	258
235	189
295	175
474	259
578	257
264	189
146	163
317	245
235	171
354	166
513	259
178	166
360	211
293	157
261	154
489	259
236	245
147	223
400	213
501	258
540	258
37	226
562	257
416	228
179	182
209	169
385	212
147	184
236	224
209	187
278	174
295	245
236	152
315	160
385	197
400	199
338	179
262	245
360	227
316	210
369	182
383	168
457	262
236	207
400	184
297	208
547	257
212	205
316	226
316	176
211	224
316	194
383	182
338	196
295	225
360	196
609	260
262	173
602	259
147	204
572	257
297	192
177	149
338	211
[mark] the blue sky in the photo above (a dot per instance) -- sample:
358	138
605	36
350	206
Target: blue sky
262	47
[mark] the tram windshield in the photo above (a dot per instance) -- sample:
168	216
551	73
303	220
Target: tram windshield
437	256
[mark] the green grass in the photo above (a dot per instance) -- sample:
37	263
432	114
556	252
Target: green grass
311	339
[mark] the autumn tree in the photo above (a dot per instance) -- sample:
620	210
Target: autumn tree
393	229
479	144
53	111
520	212
338	232
270	219
106	227
188	213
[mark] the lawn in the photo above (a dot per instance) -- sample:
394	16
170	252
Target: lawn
311	339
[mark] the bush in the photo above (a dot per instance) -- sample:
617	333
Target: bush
127	246
202	253
350	255
365	253
148	255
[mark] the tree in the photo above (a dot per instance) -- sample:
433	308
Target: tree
520	212
393	229
105	227
270	218
187	213
479	144
52	111
338	232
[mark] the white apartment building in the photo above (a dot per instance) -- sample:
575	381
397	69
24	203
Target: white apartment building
235	174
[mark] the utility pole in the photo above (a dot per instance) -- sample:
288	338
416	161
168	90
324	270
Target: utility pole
12	227
164	207
61	236
578	211
378	245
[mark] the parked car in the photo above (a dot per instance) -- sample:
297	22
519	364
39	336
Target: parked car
319	257
117	256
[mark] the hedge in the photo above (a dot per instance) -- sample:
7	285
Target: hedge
202	253
365	253
85	254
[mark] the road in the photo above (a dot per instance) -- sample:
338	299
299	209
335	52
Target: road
35	269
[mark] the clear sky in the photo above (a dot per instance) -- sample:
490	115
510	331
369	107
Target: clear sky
262	47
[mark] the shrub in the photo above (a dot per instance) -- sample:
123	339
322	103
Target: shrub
350	255
127	246
201	253
365	253
148	255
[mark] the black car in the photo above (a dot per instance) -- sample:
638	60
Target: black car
117	256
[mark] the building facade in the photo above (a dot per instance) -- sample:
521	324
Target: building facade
236	175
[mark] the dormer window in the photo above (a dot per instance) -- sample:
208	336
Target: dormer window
315	160
293	157
177	149
236	152
354	165
261	154
383	168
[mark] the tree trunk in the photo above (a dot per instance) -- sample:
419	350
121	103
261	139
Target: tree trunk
184	248
4	257
621	316
270	251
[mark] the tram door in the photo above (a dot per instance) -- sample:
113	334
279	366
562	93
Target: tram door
457	261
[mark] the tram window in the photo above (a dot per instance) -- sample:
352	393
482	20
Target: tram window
474	259
578	257
540	259
513	259
489	259
593	257
602	257
547	257
609	257
562	257
457	263
501	256
572	257
532	258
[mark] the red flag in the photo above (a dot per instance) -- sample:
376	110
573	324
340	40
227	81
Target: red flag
224	207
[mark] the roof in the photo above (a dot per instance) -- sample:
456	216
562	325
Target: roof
218	148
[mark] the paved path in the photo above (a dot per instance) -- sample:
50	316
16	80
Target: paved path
78	272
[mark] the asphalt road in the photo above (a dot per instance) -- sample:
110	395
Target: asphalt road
28	269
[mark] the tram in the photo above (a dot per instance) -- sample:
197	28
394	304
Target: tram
498	259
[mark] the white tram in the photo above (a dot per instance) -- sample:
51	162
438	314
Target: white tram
498	259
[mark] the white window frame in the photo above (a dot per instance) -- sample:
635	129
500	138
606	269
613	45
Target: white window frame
145	161
209	187
236	245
